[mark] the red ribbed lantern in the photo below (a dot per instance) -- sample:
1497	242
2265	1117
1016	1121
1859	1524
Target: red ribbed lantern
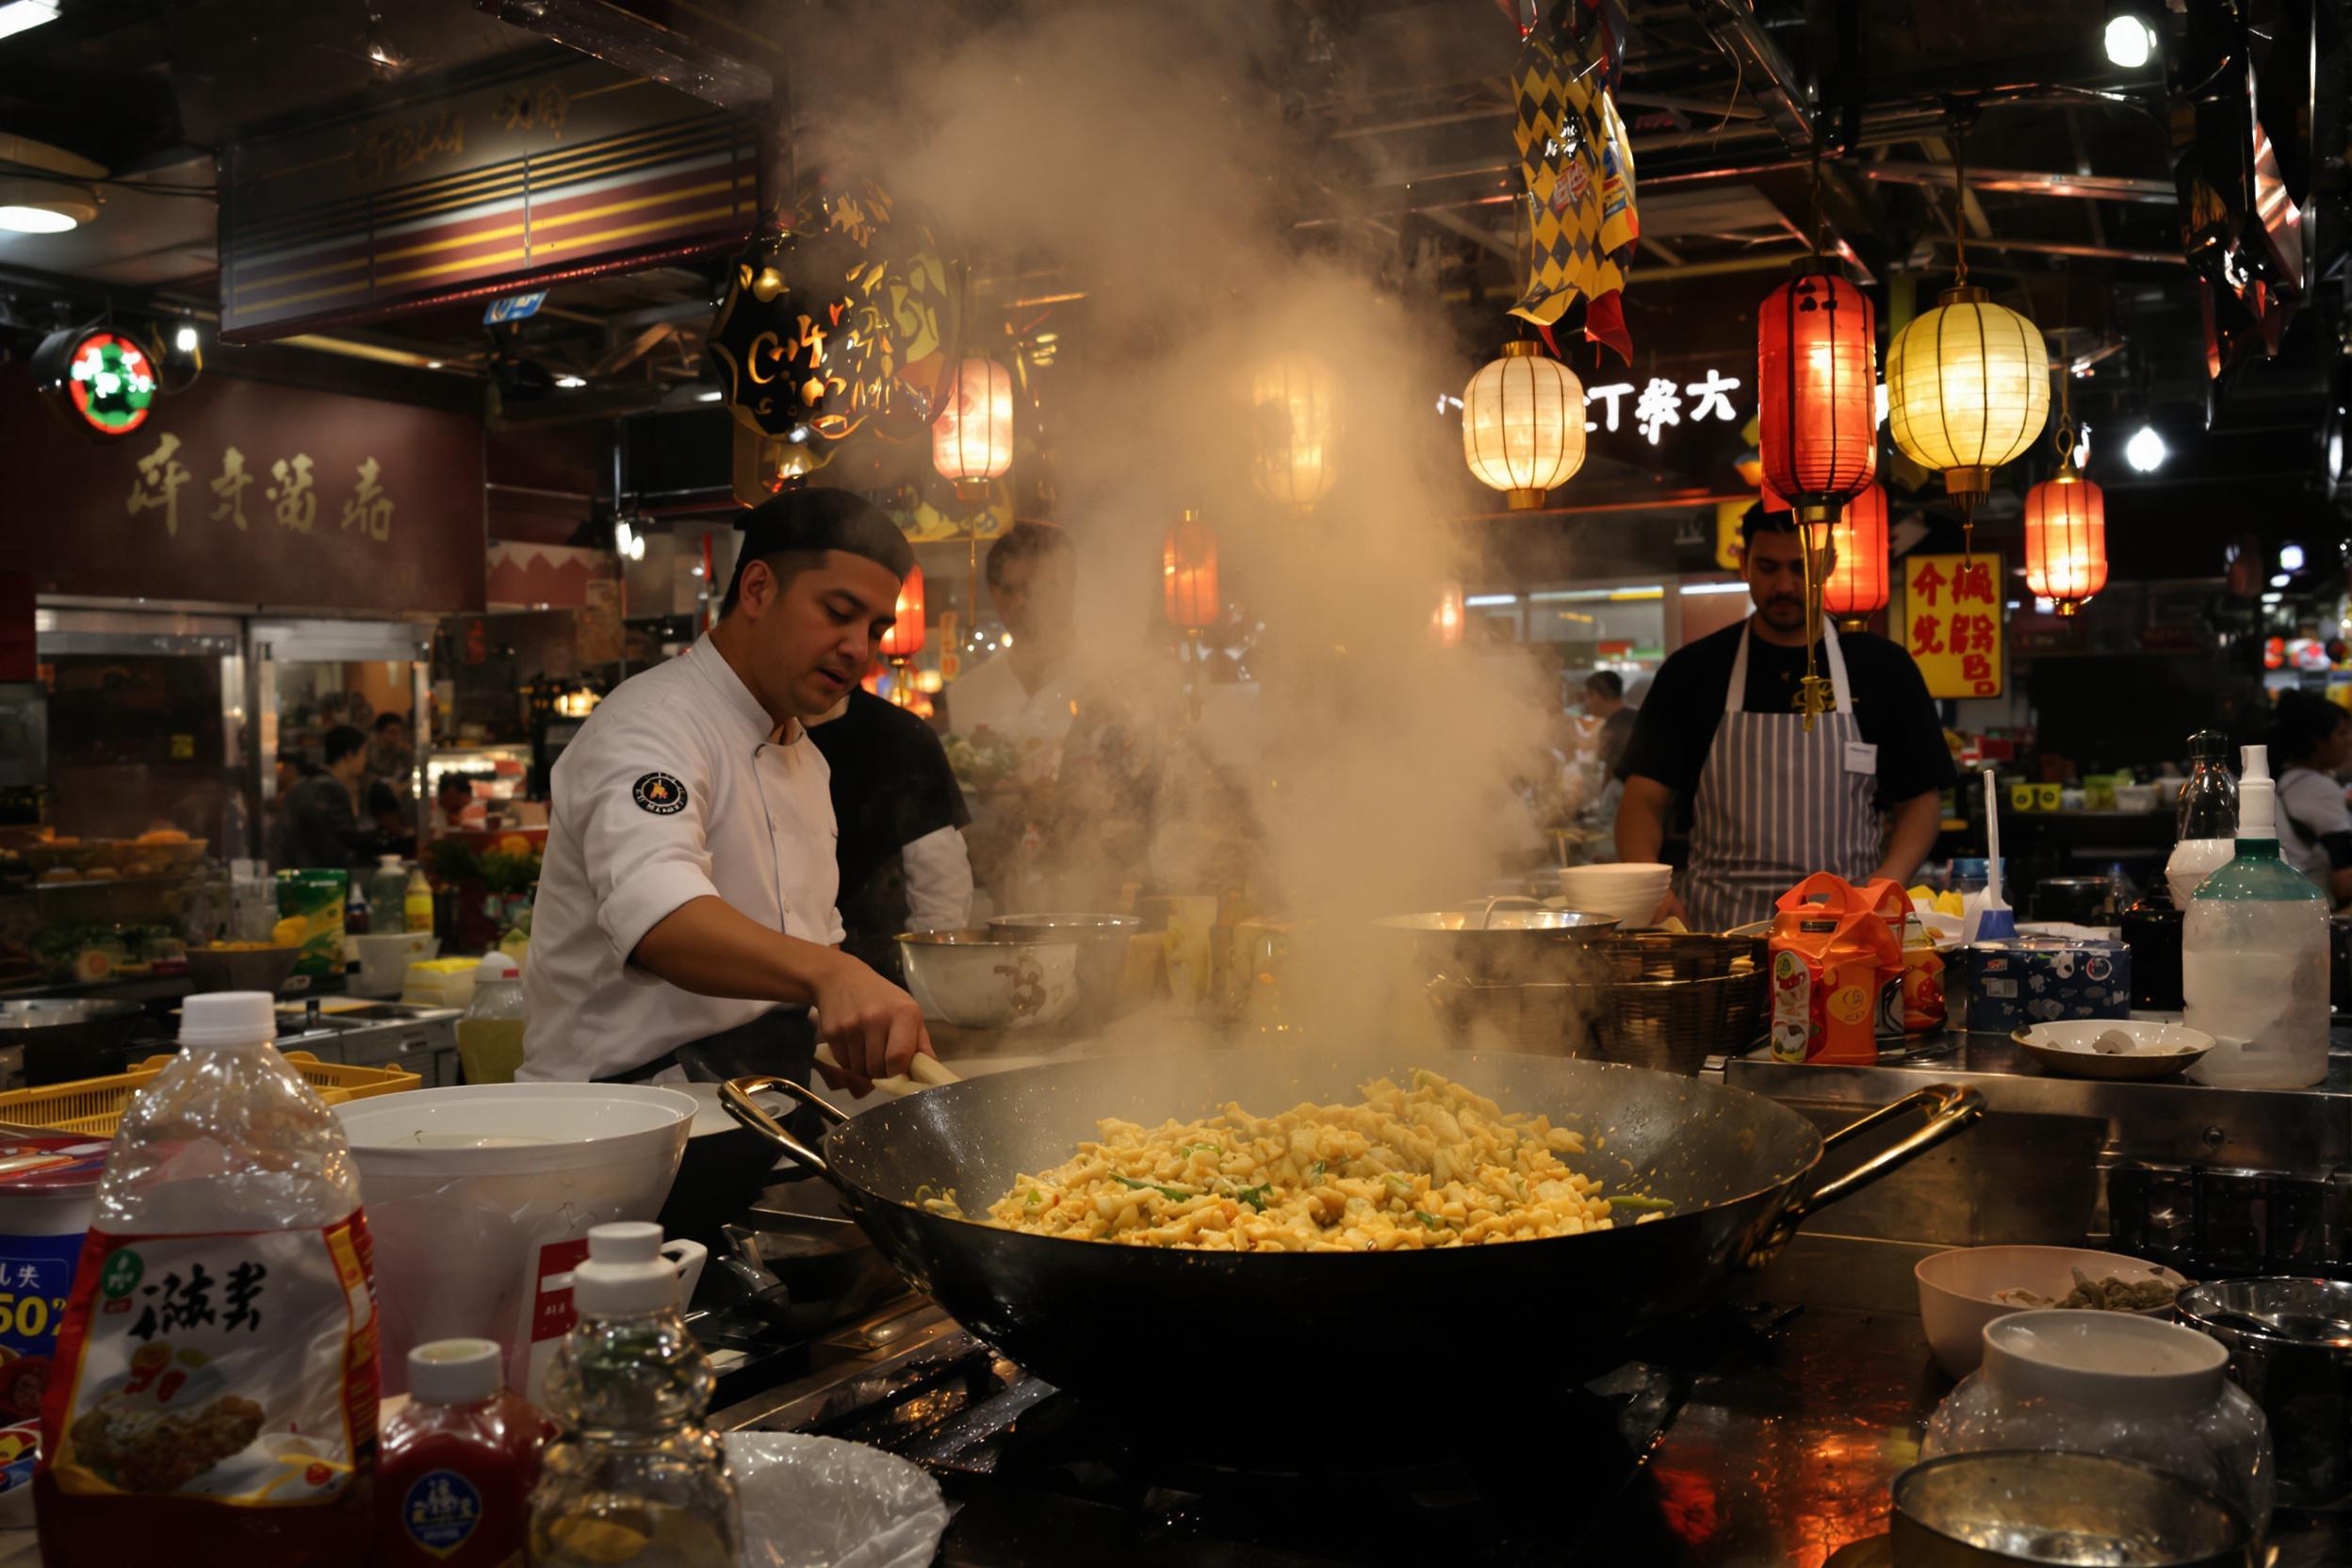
2065	540
1817	374
1189	573
904	638
1858	584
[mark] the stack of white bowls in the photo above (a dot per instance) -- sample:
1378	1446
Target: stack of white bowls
1630	891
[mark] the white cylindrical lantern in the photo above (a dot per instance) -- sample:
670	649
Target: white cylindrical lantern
1523	425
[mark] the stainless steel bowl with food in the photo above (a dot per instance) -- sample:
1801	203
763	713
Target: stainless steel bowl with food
1102	942
975	981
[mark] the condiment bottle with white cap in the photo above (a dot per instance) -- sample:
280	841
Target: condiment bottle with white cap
453	1482
2254	955
490	1036
634	1477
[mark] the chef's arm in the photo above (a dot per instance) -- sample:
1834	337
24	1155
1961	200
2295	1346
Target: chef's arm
939	881
1917	822
708	947
1642	819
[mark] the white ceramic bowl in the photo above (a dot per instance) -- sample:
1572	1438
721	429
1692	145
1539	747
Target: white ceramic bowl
2071	1047
1629	891
464	1188
2123	1362
1956	1291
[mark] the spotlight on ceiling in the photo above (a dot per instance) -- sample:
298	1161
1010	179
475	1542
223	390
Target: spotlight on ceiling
567	383
18	15
45	206
2146	451
2291	558
184	340
2131	36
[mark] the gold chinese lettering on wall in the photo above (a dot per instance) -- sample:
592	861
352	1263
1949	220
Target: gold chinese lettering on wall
158	475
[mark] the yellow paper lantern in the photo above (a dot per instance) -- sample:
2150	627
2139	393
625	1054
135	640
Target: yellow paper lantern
971	441
1967	389
1297	430
1523	425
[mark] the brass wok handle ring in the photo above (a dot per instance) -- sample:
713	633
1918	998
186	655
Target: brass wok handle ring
735	1097
1950	1110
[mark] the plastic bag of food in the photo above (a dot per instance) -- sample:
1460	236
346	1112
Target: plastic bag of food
818	1502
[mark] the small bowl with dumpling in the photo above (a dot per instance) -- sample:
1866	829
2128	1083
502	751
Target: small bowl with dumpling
2114	1048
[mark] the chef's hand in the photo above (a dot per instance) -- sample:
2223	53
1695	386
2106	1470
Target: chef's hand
1672	909
875	1028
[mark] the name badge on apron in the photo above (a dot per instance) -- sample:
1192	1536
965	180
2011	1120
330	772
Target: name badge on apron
1861	757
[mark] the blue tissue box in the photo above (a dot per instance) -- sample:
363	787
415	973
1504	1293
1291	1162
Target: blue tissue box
2012	985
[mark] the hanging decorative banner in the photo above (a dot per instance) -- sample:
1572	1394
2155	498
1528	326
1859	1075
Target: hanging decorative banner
108	378
1577	162
838	323
1951	621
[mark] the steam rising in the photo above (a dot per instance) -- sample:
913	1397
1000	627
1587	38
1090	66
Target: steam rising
1143	149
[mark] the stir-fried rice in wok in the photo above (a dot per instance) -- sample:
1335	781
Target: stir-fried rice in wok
1434	1165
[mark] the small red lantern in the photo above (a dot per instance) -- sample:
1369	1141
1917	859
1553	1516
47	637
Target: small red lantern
2065	540
1857	585
1188	572
904	638
1817	339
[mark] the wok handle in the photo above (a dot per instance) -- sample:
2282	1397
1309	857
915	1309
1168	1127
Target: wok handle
735	1098
1950	1109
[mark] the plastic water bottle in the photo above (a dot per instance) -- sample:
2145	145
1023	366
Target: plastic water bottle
490	1036
2205	817
635	1476
2254	956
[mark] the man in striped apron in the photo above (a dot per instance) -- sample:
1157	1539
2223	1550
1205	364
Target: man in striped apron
1772	801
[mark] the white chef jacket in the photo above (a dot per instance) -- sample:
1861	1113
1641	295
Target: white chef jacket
992	695
671	792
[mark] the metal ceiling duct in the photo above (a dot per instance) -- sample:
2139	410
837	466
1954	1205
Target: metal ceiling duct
1775	83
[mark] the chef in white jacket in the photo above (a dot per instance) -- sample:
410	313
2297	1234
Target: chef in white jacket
685	924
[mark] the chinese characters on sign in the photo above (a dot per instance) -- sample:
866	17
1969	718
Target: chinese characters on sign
294	496
1657	403
1951	621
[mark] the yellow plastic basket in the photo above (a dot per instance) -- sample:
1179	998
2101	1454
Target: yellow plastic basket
93	1105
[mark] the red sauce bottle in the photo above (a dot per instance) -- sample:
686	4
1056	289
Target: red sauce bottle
453	1482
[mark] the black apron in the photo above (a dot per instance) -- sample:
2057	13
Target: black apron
724	1173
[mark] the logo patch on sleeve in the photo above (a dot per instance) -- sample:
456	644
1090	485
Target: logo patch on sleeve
660	795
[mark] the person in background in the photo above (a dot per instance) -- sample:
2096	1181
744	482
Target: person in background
455	807
2311	742
1022	695
1605	700
391	759
320	823
899	814
1773	801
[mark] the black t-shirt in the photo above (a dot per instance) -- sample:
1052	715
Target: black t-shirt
891	785
1676	722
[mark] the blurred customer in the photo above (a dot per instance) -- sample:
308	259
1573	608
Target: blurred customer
898	815
1605	700
391	759
1023	694
2311	742
455	807
320	825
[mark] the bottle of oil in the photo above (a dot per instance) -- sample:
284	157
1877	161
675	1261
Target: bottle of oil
634	1477
490	1036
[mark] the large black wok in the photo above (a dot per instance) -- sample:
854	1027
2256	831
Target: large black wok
1265	1347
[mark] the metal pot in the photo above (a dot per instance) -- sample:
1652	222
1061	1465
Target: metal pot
67	1039
1102	942
2289	1343
2020	1507
1109	1323
1489	944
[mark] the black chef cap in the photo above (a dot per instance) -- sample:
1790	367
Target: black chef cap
821	519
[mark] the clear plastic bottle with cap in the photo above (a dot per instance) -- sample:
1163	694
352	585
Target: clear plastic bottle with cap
490	1036
387	896
453	1484
226	1235
2205	817
2254	955
635	1476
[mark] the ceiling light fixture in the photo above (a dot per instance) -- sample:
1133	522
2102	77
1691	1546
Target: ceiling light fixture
710	397
2291	558
2130	42
184	340
45	206
2146	451
18	15
570	382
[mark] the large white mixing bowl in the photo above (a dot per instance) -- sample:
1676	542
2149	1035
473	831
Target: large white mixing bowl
473	1194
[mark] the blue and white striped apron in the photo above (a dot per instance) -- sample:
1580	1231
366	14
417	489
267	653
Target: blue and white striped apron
1777	802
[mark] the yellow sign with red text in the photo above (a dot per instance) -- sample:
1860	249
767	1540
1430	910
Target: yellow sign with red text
1951	621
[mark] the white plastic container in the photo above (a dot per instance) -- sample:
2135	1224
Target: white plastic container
479	1197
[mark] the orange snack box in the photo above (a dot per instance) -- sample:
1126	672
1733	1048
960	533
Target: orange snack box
1836	969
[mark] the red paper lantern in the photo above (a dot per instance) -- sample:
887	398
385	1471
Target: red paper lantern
1817	341
971	441
1857	584
904	638
1188	573
2065	540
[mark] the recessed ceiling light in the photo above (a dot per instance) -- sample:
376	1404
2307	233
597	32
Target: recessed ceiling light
45	206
